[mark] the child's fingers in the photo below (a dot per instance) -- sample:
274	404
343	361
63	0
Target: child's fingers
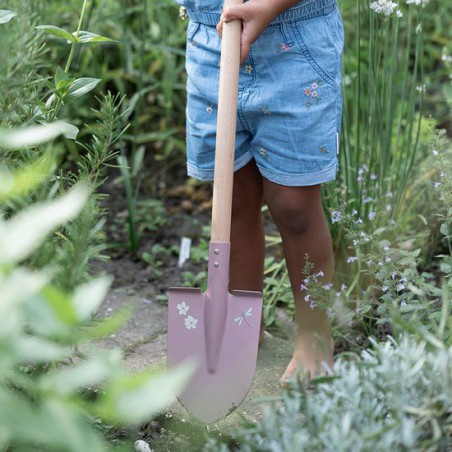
236	12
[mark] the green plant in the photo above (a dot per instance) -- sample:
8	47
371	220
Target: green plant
383	107
395	396
50	397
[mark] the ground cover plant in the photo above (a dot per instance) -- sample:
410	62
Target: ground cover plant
99	87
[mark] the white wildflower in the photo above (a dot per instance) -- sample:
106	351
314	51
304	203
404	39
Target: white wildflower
435	152
351	259
437	184
385	288
385	7
367	200
417	2
372	215
303	287
327	286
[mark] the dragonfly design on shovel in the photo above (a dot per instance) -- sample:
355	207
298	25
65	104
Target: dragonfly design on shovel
240	319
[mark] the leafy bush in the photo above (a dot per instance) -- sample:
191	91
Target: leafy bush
49	397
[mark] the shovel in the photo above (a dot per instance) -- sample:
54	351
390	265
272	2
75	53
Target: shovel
218	330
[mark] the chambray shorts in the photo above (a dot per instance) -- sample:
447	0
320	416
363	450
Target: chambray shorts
289	100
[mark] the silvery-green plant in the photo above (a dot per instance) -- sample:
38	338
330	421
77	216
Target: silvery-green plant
397	395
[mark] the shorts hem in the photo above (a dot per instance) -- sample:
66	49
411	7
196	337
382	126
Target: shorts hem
300	180
207	174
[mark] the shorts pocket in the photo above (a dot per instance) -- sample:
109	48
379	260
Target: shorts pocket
192	29
320	40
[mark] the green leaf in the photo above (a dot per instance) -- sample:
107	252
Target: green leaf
135	398
6	16
58	32
87	37
23	233
96	370
16	288
71	131
37	350
32	135
21	181
444	230
82	86
89	296
60	75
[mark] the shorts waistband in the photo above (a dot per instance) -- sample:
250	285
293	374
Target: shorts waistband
302	11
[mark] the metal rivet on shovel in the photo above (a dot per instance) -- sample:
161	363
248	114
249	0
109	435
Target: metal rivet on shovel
216	329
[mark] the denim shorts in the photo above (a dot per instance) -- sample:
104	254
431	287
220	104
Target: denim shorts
289	99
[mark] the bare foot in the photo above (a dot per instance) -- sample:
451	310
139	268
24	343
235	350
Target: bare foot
311	352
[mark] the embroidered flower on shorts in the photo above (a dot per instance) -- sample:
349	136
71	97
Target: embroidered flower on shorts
312	92
264	110
284	47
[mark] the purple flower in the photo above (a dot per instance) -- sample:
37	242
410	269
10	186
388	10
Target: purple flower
351	259
372	215
336	216
303	287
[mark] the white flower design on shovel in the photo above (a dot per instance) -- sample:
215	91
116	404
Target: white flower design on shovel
183	308
190	323
240	319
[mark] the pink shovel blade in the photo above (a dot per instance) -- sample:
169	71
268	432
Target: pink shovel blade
220	332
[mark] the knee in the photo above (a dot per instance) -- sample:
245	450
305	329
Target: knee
295	214
291	218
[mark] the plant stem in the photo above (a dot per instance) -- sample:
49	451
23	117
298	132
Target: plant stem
69	60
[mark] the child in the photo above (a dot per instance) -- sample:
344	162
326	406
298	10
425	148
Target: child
288	124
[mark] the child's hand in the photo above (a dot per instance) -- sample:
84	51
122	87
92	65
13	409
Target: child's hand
255	16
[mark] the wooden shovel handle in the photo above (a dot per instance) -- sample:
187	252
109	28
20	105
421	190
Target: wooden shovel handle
226	128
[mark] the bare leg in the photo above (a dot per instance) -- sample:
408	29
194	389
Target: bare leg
299	216
247	232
